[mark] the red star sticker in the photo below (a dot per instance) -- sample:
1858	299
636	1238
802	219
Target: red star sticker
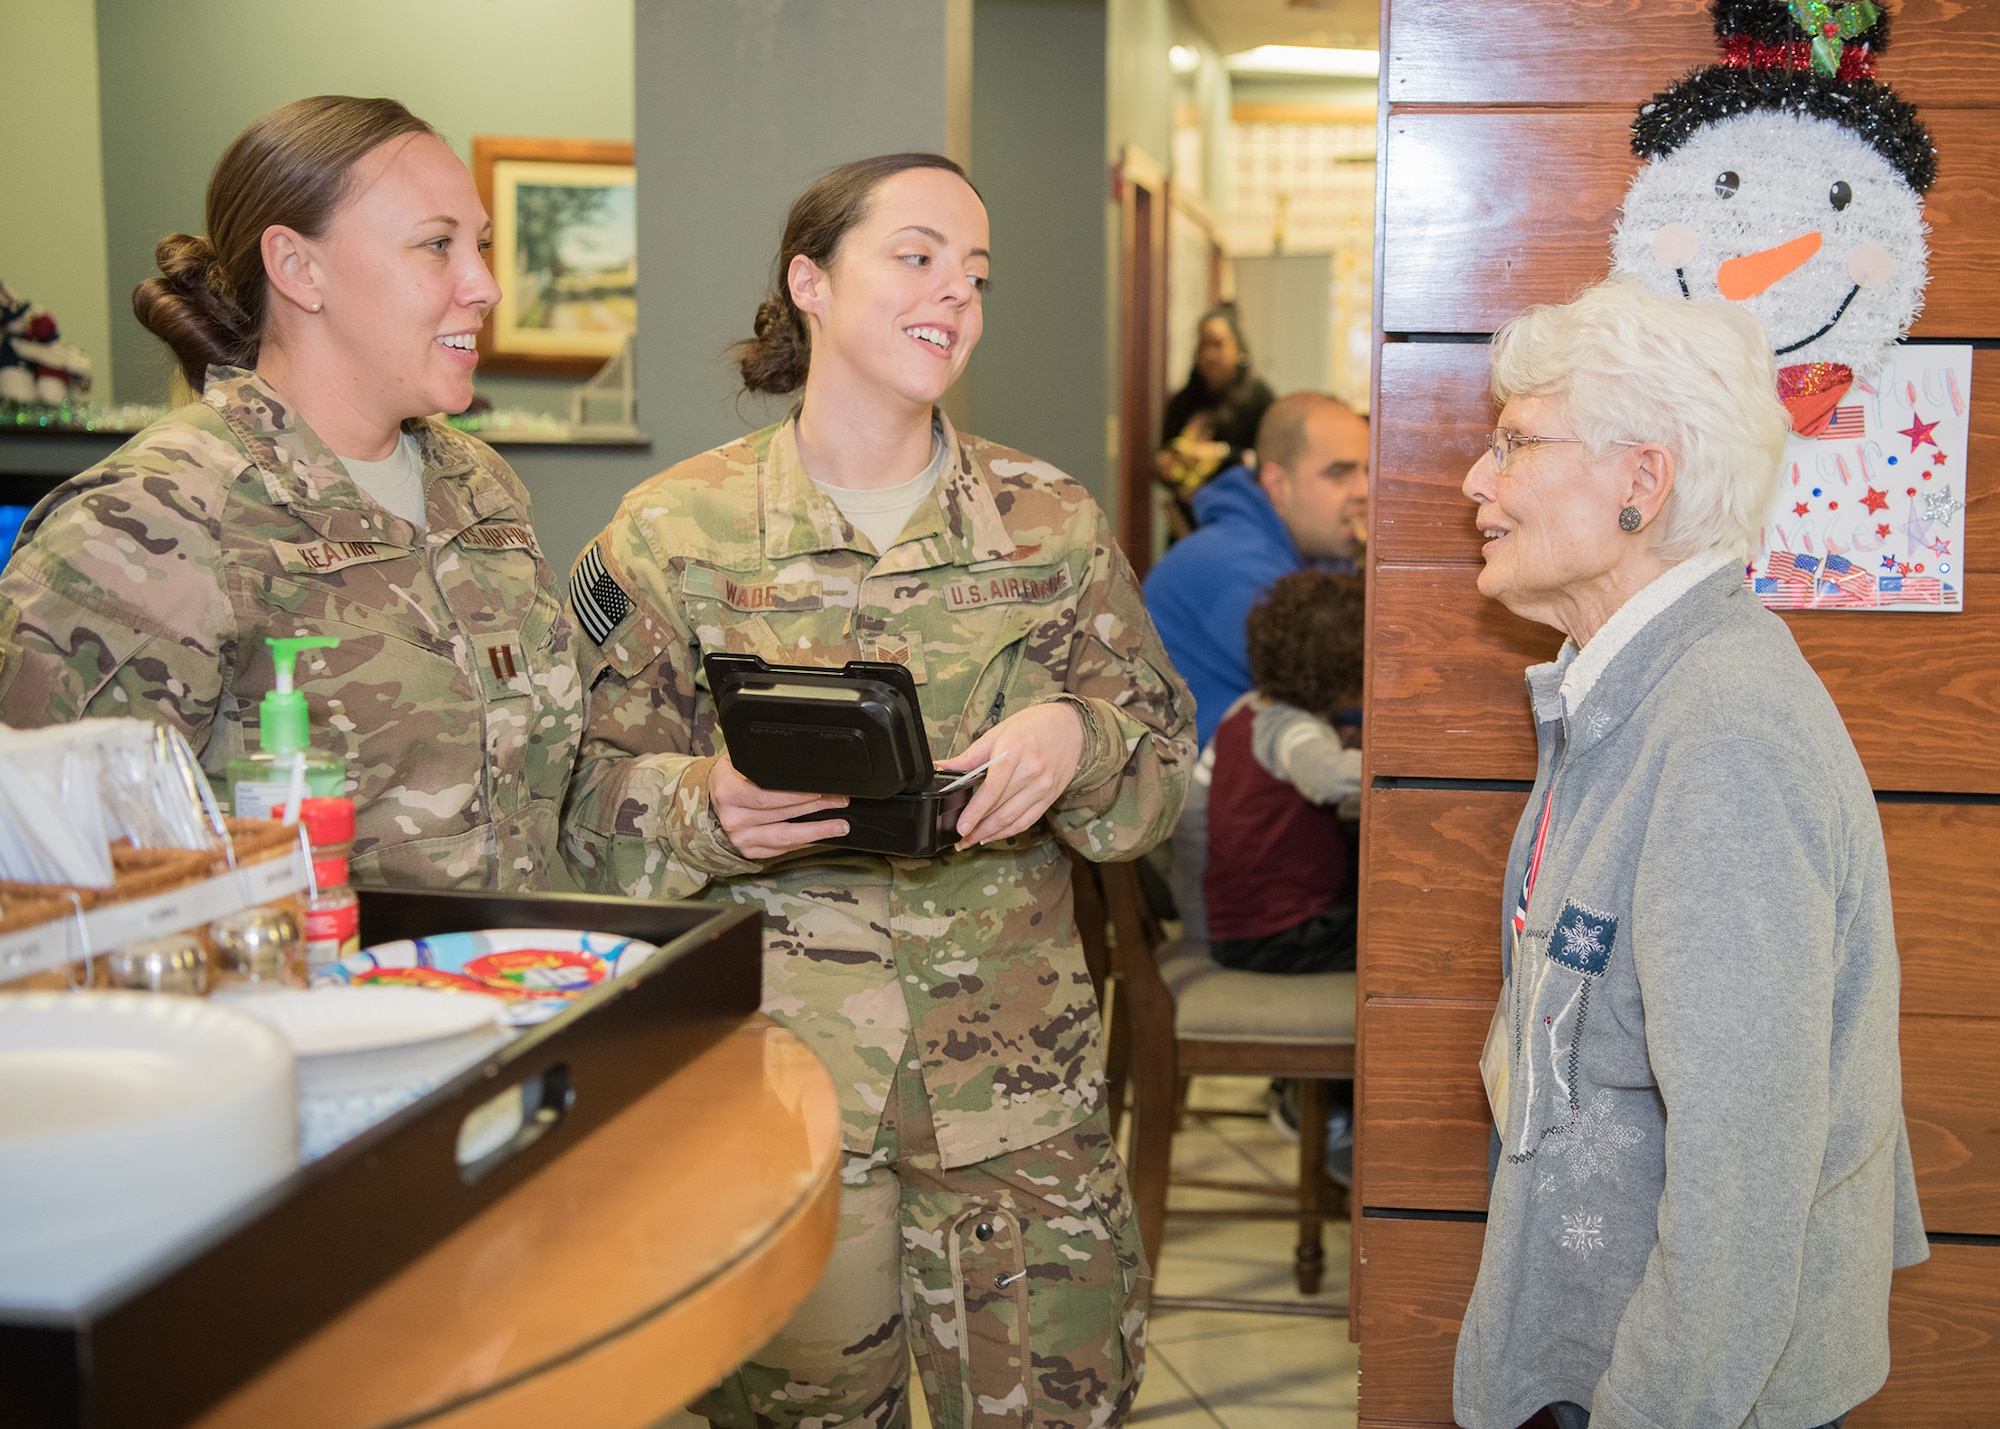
1882	531
1875	500
1801	509
1902	569
1939	459
1919	431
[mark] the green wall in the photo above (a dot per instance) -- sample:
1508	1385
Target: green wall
52	174
175	92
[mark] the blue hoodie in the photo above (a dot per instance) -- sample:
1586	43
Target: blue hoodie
1202	590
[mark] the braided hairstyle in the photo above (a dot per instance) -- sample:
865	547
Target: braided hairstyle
776	359
288	168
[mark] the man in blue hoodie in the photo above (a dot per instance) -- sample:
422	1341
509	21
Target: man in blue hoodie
1305	504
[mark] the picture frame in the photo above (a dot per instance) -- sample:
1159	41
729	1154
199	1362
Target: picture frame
565	231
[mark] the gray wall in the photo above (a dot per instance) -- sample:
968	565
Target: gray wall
174	93
745	102
1037	379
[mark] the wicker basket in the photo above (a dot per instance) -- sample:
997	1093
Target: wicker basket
136	873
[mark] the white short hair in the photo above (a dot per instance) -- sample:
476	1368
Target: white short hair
1631	365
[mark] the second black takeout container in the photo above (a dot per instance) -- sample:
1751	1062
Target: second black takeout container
857	731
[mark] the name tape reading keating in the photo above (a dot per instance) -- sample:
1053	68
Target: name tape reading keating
46	947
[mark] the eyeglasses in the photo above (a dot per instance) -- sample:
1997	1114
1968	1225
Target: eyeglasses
1503	444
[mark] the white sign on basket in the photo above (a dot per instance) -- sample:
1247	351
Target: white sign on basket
1870	512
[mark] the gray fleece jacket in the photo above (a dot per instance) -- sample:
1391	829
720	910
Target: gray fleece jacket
1704	1180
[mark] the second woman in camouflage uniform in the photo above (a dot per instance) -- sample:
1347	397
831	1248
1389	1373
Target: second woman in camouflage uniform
984	1221
343	265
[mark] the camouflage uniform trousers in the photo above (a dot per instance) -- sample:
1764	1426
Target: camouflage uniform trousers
950	1265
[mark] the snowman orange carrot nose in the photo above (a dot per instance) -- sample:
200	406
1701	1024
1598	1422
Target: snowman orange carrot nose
1751	274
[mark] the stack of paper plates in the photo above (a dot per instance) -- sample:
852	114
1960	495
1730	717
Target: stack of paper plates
128	1121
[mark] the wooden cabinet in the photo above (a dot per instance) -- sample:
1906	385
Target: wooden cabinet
1505	158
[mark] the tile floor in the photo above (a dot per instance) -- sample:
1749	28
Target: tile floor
1214	1370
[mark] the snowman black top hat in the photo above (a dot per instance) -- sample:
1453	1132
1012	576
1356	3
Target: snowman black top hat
1810	57
1787	179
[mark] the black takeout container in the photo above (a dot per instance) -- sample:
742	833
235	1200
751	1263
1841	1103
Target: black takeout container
856	731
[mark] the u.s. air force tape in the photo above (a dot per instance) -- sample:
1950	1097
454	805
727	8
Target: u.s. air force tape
598	600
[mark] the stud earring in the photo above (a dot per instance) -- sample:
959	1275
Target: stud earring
314	308
1629	519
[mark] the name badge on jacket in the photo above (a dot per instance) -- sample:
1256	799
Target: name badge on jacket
317	558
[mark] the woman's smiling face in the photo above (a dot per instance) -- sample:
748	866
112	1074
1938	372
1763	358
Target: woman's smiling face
899	309
405	279
1550	519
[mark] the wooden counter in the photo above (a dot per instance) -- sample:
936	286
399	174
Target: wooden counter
610	1288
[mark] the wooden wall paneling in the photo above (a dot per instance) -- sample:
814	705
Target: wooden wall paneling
1492	245
1920	693
1947	907
1420	1275
1446	698
1942	52
1951	1103
1434	413
1944	1344
1432	416
1434	899
1424	1104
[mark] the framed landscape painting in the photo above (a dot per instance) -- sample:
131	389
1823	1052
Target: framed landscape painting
565	247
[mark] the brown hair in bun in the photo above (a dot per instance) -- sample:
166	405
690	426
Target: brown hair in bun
776	359
288	168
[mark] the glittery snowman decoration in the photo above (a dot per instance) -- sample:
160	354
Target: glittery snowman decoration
1786	178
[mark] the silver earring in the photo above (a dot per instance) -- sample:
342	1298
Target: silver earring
1629	519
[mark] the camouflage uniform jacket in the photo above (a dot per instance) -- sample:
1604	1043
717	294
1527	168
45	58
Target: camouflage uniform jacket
1003	591
146	586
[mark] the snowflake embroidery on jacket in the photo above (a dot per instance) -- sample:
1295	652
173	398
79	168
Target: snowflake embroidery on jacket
1545	1185
1590	1142
1582	1233
1583	942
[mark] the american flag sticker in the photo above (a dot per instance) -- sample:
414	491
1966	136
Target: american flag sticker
1848	424
599	601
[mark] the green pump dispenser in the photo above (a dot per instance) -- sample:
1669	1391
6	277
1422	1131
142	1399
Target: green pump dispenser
261	781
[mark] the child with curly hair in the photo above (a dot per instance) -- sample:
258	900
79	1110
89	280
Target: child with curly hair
1276	885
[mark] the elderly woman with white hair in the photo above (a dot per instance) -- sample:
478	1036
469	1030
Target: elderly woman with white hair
1702	1179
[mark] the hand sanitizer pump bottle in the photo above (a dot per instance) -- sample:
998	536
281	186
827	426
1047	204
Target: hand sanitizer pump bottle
265	779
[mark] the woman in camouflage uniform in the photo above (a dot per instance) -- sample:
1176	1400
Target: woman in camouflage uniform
328	314
984	1222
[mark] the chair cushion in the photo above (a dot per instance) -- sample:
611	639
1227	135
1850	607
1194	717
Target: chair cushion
1218	1004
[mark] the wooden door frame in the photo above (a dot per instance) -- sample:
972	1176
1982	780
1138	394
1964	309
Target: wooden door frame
1139	184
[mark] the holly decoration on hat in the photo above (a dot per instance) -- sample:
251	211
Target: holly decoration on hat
1830	29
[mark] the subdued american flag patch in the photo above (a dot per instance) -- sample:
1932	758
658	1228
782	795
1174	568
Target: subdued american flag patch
598	600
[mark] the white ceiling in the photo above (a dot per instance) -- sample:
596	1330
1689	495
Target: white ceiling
1244	24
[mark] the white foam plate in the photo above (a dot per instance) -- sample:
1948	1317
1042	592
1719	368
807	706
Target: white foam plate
332	1021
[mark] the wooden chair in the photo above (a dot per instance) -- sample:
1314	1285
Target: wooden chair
1182	1013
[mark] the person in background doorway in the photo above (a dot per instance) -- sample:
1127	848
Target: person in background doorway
1212	421
326	318
1703	1180
985	1226
1305	504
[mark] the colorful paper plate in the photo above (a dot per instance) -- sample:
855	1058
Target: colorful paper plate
536	972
